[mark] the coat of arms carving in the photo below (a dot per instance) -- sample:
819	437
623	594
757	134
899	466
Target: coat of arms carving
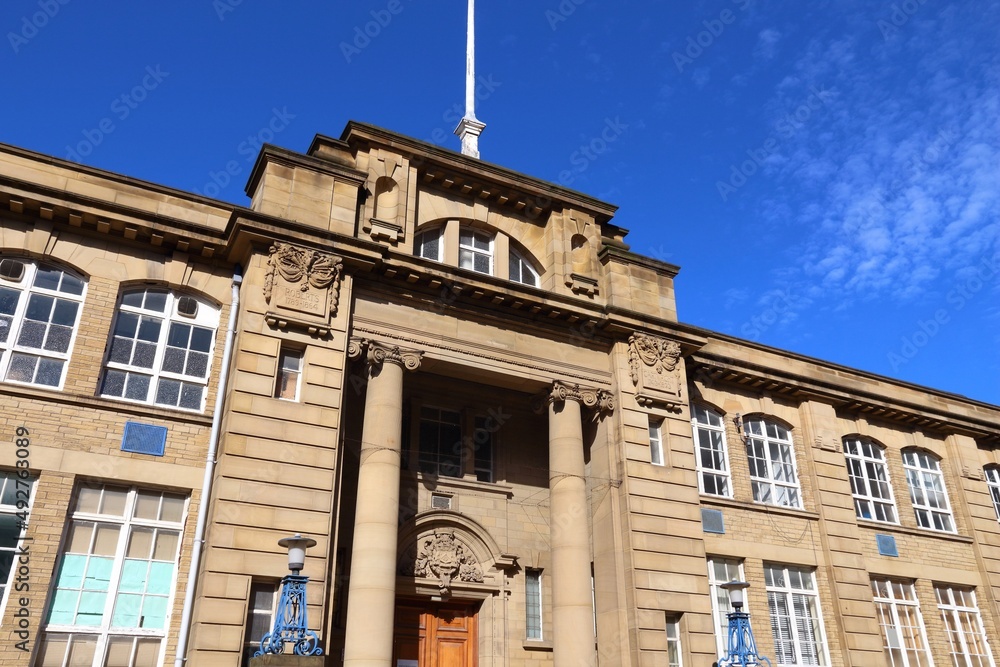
441	555
653	365
302	287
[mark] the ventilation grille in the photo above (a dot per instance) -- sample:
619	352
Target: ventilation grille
711	521
886	545
144	439
12	270
187	306
440	502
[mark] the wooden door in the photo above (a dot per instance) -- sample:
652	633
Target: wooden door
441	635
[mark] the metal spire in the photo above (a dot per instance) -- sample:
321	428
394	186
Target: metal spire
469	128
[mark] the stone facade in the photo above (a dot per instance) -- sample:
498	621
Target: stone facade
463	385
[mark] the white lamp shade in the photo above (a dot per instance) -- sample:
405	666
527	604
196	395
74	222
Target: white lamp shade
296	546
736	589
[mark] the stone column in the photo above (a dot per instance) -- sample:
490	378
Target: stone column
371	600
572	608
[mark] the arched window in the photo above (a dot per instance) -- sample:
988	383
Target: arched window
520	269
993	484
428	244
927	490
712	458
869	480
39	312
161	349
772	463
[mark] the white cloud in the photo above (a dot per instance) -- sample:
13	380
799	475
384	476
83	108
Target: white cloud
897	177
767	44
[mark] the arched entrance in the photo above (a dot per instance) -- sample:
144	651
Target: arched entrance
451	574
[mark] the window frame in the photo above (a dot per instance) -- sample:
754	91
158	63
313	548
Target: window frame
657	456
865	463
248	643
924	474
992	475
722	475
720	617
515	257
957	613
489	253
126	522
890	605
672	630
15	478
787	591
536	574
208	317
26	289
481	425
418	243
792	489
421	458
285	353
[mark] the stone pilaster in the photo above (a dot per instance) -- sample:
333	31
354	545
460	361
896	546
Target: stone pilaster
371	599
572	609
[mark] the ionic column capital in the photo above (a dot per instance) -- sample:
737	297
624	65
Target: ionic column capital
378	353
599	400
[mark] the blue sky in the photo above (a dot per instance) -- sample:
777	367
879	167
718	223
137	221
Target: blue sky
827	174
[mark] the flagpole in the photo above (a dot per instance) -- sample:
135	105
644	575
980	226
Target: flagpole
469	128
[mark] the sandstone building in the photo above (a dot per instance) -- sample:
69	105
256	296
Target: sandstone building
460	381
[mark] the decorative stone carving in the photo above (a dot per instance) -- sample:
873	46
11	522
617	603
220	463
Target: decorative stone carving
302	288
653	365
827	442
378	353
600	400
443	556
972	472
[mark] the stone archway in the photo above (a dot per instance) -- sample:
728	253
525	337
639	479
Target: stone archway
451	584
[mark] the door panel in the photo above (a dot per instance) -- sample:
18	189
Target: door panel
442	635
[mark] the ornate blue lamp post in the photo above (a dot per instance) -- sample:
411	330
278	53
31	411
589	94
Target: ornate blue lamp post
291	623
741	648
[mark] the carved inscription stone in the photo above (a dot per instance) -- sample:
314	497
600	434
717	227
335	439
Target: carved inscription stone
302	288
653	366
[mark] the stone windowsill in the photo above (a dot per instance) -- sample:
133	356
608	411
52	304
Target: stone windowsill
441	483
537	644
759	507
883	527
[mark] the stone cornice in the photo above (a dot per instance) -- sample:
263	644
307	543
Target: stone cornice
628	257
708	369
441	163
283	156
